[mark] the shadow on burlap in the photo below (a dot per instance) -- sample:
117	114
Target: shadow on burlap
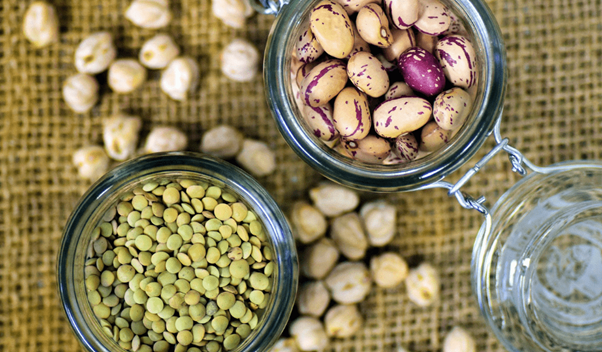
553	113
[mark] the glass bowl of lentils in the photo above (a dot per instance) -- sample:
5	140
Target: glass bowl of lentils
177	252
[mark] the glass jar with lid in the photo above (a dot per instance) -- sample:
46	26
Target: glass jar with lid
537	260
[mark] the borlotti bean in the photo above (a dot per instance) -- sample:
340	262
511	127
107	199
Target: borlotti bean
342	67
179	264
373	26
331	26
368	74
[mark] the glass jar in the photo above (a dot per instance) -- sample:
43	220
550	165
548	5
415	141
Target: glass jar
537	261
106	192
292	19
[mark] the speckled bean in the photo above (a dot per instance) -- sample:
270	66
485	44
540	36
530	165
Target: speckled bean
352	6
402	115
427	42
402	40
368	74
331	26
320	121
407	146
359	42
308	48
304	70
422	71
433	17
351	114
373	25
451	108
372	149
402	14
324	82
458	60
399	90
394	159
433	137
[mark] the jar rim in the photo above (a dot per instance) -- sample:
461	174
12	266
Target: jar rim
354	174
245	186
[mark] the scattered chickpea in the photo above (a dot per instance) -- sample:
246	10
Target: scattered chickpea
165	139
349	282
285	345
95	53
150	14
313	299
343	321
309	334
459	340
388	270
333	200
91	162
180	78
40	24
80	92
348	234
318	259
232	12
380	221
308	223
222	141
158	52
240	60
120	136
423	285
126	75
257	158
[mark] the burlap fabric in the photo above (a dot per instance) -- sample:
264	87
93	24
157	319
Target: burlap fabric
553	113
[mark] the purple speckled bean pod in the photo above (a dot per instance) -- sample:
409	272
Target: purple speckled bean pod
368	74
402	13
331	26
433	17
458	60
403	39
399	90
351	115
373	25
400	116
324	82
407	146
320	121
451	108
433	137
308	48
371	149
422	71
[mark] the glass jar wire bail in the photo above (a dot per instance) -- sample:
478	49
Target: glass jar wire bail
517	159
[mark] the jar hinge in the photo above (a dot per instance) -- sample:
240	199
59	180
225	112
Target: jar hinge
516	159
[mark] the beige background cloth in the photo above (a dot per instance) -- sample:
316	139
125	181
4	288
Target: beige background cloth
553	112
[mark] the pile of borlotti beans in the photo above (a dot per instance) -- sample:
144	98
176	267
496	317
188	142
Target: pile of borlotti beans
384	83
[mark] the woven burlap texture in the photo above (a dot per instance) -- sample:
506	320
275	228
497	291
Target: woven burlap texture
553	112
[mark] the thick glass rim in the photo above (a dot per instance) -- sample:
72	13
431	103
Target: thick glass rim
485	246
363	176
161	164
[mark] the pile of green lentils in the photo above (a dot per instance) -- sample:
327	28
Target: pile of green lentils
179	266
